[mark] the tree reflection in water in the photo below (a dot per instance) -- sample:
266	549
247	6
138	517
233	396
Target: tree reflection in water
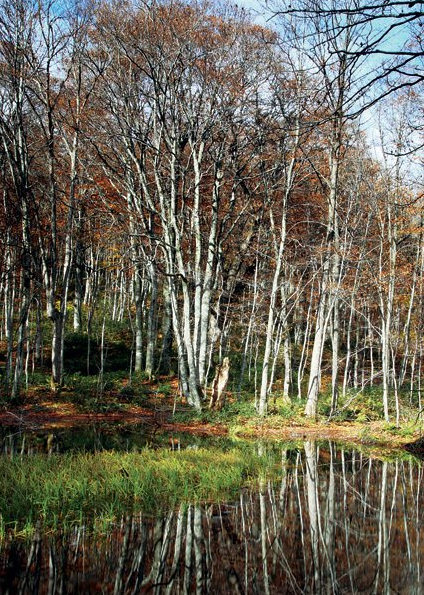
337	522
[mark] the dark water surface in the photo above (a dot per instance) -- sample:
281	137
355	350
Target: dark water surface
336	521
88	438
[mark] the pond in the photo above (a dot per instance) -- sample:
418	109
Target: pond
88	438
330	520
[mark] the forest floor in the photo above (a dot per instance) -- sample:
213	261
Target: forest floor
41	409
53	412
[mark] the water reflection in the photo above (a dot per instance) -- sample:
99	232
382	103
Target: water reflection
89	438
92	438
336	522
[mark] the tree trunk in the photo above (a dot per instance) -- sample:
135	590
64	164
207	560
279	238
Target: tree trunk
219	385
164	366
151	335
139	303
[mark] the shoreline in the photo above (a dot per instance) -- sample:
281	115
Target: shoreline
50	415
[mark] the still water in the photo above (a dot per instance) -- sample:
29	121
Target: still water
334	522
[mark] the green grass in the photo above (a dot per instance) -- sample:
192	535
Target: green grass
62	490
367	405
355	406
232	412
114	394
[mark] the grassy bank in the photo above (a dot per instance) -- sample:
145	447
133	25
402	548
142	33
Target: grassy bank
359	417
99	488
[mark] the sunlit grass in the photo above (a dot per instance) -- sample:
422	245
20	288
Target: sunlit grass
62	490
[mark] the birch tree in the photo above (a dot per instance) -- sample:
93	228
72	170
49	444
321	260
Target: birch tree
292	110
333	61
17	33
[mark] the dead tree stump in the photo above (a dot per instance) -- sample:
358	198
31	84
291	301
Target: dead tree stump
219	385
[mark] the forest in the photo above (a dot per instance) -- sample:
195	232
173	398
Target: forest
188	192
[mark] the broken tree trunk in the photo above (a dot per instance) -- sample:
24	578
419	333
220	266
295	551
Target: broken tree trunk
219	385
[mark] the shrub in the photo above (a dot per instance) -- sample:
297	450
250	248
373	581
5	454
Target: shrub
117	355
